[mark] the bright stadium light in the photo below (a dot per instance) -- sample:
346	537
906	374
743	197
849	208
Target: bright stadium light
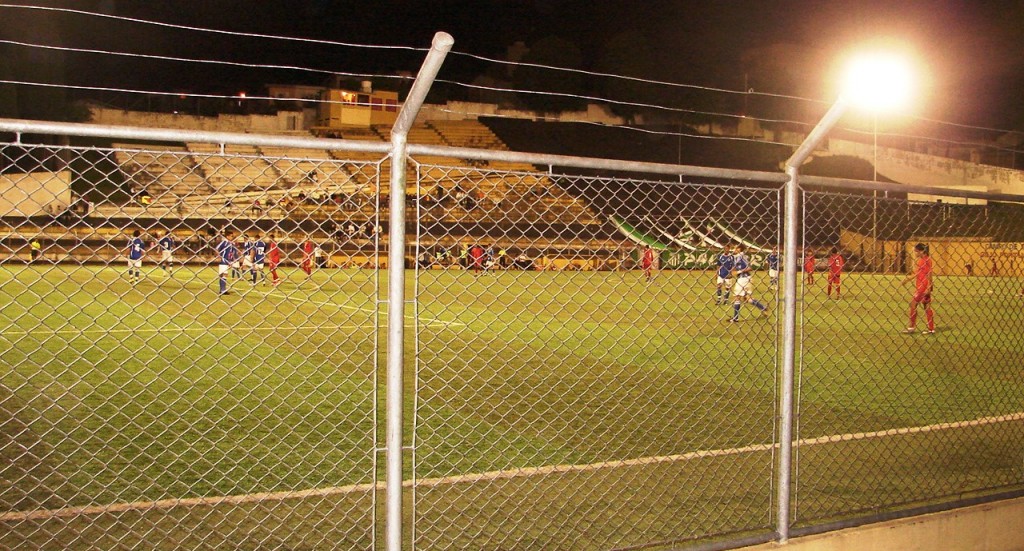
873	82
878	82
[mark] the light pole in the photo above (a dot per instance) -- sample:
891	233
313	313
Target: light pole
876	83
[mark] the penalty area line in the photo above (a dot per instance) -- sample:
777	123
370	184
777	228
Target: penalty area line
42	514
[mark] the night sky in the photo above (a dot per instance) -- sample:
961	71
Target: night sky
971	53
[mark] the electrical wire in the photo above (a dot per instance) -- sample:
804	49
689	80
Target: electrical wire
472	86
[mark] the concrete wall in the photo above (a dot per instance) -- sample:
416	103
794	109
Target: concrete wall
283	121
912	168
34	193
461	110
990	527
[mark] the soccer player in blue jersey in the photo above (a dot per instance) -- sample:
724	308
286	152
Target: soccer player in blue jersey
228	254
743	290
136	248
166	245
772	260
259	257
246	258
724	276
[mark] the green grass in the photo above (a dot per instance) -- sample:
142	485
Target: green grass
121	393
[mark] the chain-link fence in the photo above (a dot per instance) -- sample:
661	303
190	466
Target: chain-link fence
187	360
574	376
911	330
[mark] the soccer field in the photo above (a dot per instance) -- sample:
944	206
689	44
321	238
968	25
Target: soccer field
547	398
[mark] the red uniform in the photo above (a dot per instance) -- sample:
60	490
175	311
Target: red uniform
922	294
923	280
307	257
835	271
647	262
809	268
273	260
476	255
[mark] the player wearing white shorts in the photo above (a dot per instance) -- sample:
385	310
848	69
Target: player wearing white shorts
136	248
227	253
259	257
743	289
166	244
773	267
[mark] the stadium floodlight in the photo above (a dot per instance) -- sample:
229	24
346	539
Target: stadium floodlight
878	82
873	81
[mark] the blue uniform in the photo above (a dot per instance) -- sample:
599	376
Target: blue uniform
135	248
166	243
228	253
773	261
259	251
726	262
741	264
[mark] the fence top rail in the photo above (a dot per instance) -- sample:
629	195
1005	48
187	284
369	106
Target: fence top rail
228	138
594	163
843	184
177	135
19	126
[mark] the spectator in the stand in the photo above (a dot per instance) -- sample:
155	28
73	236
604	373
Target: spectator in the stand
35	249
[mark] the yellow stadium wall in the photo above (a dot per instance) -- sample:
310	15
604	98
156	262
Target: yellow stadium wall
986	259
950	256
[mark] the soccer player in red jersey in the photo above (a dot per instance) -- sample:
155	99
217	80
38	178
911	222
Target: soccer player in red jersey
835	271
307	257
922	278
273	260
476	255
809	267
647	263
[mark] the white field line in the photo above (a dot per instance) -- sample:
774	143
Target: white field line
173	329
428	322
19	516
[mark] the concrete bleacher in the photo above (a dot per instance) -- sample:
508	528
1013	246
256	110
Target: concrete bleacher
234	169
208	181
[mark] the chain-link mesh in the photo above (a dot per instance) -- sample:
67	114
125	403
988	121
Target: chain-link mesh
566	399
189	337
578	381
898	410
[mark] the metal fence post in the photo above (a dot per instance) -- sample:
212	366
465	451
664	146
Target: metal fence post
440	47
790	221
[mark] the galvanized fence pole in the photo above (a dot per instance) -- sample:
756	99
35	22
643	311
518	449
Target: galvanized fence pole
786	401
440	47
